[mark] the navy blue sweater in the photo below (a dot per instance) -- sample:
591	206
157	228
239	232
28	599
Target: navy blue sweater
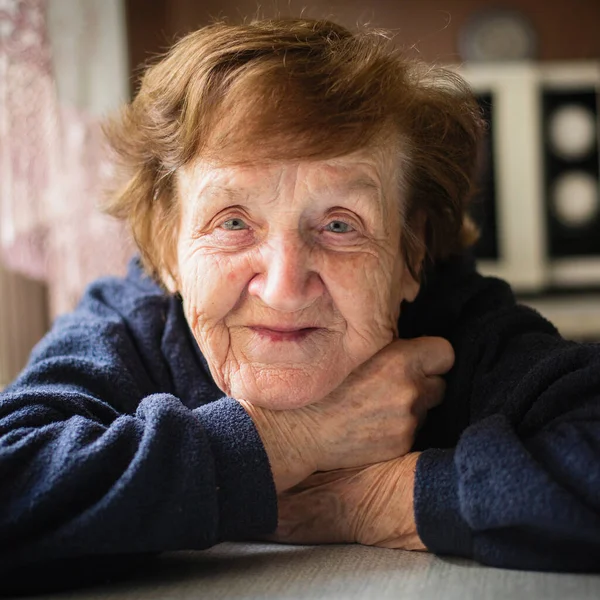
116	441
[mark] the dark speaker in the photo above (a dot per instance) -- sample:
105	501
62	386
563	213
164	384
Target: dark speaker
571	171
538	205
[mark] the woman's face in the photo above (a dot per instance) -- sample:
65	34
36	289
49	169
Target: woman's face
291	272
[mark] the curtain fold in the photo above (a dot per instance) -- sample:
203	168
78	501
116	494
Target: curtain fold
63	68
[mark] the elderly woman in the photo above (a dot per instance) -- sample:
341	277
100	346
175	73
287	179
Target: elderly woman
304	349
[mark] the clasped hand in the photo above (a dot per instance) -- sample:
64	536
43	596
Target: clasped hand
367	505
342	466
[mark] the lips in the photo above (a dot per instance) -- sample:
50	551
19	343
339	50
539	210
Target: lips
283	334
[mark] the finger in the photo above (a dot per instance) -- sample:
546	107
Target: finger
432	395
432	355
434	389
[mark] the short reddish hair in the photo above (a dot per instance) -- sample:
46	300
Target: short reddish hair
295	89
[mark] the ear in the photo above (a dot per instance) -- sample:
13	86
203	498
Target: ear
169	282
168	268
168	273
411	284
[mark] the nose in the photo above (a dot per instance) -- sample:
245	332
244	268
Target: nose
287	281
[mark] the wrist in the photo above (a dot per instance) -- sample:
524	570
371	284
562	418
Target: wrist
407	467
385	515
290	460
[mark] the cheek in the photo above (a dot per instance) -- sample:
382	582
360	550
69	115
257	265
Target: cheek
211	286
363	286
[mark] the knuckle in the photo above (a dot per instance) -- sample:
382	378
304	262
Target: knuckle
412	422
411	394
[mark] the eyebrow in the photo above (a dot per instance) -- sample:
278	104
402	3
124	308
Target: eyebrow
357	185
363	183
369	187
233	193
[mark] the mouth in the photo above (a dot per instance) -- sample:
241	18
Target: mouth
284	334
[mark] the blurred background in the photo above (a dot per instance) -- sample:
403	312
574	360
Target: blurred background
66	64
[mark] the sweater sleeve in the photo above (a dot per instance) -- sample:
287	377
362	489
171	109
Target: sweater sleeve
521	488
98	457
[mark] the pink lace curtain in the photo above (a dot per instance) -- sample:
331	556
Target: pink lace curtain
54	165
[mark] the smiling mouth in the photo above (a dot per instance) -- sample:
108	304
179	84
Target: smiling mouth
284	335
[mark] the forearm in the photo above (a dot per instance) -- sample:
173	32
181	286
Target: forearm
161	479
386	513
513	502
517	487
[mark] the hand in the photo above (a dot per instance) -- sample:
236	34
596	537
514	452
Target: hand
371	505
371	417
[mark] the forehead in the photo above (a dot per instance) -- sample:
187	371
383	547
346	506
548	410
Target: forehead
374	171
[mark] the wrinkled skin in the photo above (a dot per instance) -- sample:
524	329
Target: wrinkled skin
372	417
371	505
291	272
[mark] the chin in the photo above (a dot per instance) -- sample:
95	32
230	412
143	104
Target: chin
285	389
283	401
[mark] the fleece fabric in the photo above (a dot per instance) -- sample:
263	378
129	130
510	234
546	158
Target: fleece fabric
115	441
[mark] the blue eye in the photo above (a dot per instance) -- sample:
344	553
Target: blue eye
234	224
339	227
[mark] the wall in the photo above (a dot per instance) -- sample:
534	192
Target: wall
566	30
